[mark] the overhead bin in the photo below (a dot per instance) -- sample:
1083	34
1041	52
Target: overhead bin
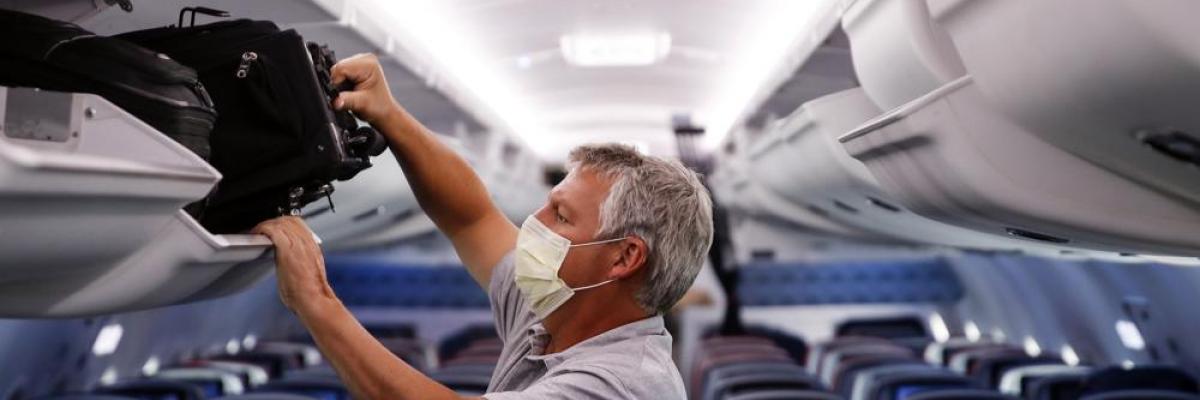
733	189
375	199
898	54
953	156
91	219
82	183
1114	82
801	159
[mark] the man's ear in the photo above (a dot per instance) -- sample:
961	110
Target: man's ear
630	259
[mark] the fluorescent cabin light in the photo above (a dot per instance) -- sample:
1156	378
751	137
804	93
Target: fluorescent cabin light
781	29
615	50
108	339
1130	335
456	53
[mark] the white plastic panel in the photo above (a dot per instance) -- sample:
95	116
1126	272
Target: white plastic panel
1095	78
182	261
63	10
742	195
803	161
376	198
952	157
898	54
90	213
92	199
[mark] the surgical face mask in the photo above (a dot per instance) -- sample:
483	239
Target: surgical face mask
539	255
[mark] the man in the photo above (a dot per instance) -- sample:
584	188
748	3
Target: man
577	291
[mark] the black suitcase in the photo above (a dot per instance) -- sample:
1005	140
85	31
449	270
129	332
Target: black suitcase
278	142
60	56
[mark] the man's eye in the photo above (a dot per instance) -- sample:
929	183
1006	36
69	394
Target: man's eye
560	218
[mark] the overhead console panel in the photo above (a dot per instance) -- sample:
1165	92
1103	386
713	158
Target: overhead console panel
1034	141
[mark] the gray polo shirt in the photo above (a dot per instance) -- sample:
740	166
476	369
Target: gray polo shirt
632	361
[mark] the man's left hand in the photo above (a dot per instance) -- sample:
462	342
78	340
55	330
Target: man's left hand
299	264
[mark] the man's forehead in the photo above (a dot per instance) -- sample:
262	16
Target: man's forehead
581	184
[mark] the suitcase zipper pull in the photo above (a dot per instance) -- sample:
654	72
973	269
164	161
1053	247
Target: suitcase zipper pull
248	58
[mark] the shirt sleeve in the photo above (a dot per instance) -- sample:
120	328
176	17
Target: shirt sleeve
508	306
570	385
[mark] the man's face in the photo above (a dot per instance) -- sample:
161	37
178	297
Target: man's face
573	211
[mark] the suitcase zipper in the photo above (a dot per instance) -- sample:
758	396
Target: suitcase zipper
243	70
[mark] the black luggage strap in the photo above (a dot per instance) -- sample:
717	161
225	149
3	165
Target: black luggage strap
212	12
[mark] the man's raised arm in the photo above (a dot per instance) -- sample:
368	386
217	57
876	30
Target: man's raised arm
446	187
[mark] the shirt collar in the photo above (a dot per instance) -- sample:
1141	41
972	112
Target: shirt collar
539	338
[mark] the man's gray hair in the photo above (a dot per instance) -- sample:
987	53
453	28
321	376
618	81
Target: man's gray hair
660	201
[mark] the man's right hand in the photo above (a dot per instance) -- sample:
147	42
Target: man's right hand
371	100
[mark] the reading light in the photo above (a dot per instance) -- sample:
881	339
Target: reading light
109	376
972	331
937	326
151	366
1069	355
232	346
615	50
1032	348
249	342
1130	335
107	340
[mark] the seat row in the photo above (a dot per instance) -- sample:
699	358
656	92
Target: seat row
859	368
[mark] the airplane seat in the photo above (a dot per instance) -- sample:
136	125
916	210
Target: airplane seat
266	396
1055	387
833	360
84	396
959	394
1142	394
786	394
940	353
818	352
1110	82
891	328
963	359
795	346
463	381
157	389
316	387
945	153
848	370
990	368
1018	381
276	364
907	331
461	340
215	382
251	375
722	387
902	380
704	363
1157	377
751	368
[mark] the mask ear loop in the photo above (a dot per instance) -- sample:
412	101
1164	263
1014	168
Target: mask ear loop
596	285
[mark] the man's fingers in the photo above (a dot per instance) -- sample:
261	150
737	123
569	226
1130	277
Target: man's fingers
357	68
350	101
